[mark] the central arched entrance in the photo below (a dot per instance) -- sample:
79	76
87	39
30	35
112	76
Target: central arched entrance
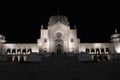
59	43
59	49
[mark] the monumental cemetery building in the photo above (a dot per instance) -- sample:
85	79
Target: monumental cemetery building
60	38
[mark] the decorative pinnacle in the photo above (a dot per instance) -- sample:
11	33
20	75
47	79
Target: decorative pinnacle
42	26
116	31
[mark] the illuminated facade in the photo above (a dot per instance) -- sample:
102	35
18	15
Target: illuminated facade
59	38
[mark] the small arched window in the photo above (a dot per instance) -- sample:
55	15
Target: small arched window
72	40
97	50
92	50
107	49
45	40
8	51
19	51
102	50
24	51
87	50
14	51
29	51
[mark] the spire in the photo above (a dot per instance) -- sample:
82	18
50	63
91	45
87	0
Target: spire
42	26
116	31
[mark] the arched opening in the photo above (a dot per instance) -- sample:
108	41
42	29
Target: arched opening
92	51
24	51
8	51
87	50
102	50
14	51
72	50
10	58
95	58
16	59
19	51
29	51
59	49
97	51
100	57
45	51
107	50
105	58
21	58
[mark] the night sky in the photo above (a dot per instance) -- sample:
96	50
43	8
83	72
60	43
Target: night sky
20	21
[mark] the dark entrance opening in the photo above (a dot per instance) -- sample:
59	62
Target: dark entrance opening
21	59
59	49
16	59
10	58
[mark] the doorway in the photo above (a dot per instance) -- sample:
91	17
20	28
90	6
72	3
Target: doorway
59	49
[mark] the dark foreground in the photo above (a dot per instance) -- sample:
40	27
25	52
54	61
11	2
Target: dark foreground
60	68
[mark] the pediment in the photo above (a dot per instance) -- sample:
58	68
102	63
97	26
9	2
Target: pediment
59	26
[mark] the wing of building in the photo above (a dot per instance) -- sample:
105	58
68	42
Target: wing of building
59	38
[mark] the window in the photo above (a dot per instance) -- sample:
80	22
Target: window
8	51
13	51
87	50
102	50
72	40
24	51
92	50
59	35
18	51
45	40
97	50
29	51
107	49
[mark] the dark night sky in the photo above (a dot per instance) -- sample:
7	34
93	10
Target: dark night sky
21	21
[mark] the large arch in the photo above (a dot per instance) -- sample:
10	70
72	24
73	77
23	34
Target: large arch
59	43
59	49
